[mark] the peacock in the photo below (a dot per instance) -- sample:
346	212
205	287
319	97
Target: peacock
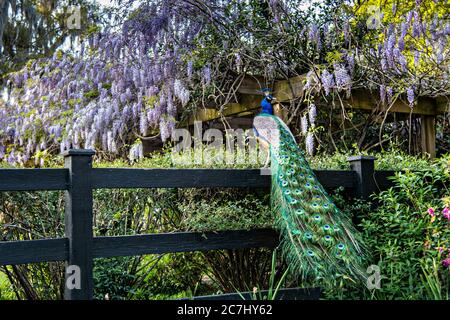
318	241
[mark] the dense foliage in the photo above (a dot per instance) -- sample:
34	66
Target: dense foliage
409	234
35	29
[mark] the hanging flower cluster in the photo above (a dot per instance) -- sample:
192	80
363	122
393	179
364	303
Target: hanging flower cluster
119	86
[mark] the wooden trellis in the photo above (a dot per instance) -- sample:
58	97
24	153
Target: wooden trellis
288	90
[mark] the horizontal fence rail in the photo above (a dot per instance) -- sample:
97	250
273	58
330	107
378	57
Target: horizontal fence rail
183	242
33	179
46	250
78	180
33	251
58	179
178	178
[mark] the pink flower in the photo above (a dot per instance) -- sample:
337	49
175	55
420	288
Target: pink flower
446	213
446	263
440	249
431	212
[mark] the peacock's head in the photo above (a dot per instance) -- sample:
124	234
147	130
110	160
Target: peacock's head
267	93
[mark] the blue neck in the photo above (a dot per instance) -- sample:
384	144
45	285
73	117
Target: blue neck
266	106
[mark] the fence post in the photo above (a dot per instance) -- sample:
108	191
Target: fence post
78	225
364	166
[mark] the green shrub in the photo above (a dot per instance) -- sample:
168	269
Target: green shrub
152	277
215	210
394	159
406	242
114	278
6	291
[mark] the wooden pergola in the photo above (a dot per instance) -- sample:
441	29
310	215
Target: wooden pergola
249	96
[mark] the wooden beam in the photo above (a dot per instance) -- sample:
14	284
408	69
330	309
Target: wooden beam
428	135
286	90
179	178
33	179
363	99
248	102
204	178
183	242
382	180
252	85
291	89
33	251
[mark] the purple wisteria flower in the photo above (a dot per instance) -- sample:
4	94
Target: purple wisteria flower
351	63
309	143
190	69
327	81
311	80
181	92
416	58
447	29
410	96
313	34
304	124
207	75
312	114
417	28
342	78
390	95
136	151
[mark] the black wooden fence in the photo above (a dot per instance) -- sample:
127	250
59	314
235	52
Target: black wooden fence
79	247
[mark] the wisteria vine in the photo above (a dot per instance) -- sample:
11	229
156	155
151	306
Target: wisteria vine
171	57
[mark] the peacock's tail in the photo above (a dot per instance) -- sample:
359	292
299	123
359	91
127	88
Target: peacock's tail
318	240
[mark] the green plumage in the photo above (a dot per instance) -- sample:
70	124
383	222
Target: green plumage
318	240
